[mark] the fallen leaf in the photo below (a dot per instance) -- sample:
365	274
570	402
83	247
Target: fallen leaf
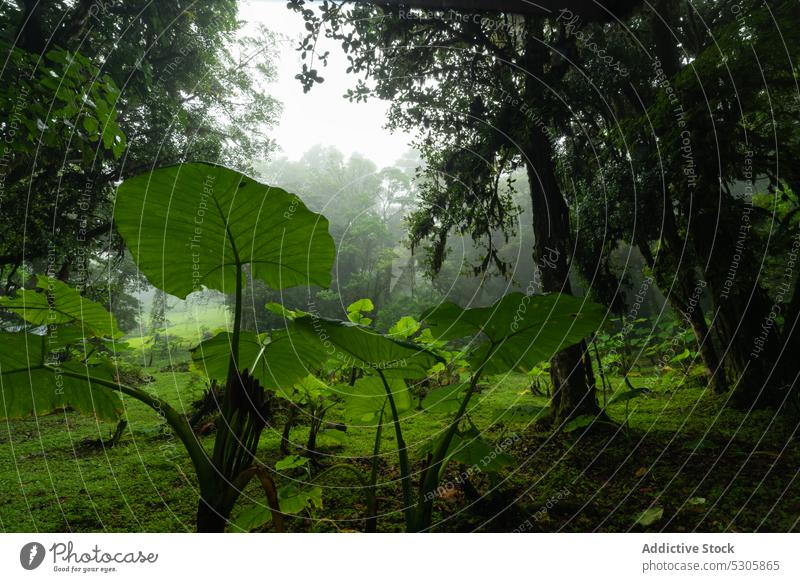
650	516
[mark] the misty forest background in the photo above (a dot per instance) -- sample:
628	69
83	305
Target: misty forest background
645	160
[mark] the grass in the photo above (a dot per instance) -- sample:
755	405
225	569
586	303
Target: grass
709	467
187	321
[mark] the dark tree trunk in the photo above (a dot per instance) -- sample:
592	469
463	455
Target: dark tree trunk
695	315
685	299
748	334
791	333
748	343
572	394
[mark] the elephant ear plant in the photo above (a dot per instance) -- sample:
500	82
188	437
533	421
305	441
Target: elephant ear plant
188	227
53	359
199	225
386	364
515	334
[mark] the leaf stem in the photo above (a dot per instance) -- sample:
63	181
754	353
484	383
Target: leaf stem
176	421
402	451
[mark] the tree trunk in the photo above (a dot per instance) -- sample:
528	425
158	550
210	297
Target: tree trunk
748	333
572	394
685	299
748	341
791	337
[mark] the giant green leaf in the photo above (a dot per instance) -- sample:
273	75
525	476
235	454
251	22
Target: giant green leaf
355	345
522	330
31	385
308	389
56	303
212	356
191	225
278	362
365	400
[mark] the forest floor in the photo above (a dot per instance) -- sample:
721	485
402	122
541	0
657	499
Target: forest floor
710	468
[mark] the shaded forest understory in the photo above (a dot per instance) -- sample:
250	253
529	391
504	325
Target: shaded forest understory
710	468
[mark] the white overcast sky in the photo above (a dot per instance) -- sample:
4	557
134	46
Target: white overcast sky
321	116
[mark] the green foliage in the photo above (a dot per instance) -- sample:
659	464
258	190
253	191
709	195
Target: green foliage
521	330
64	361
350	344
469	448
357	309
291	462
627	395
291	499
37	380
54	303
405	327
366	401
57	100
211	222
444	399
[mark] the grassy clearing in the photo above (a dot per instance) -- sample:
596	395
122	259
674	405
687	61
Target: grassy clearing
678	449
187	321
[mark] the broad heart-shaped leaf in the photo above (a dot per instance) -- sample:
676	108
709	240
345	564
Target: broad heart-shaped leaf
355	345
277	363
288	314
361	306
364	400
357	309
522	329
58	303
190	225
309	389
31	387
212	356
291	462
